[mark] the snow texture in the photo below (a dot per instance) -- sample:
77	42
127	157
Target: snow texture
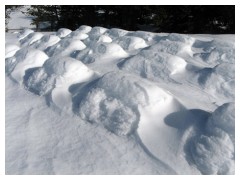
110	101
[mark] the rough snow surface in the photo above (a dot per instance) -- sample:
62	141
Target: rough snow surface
109	101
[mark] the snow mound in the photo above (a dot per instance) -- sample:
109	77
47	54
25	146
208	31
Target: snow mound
55	77
78	34
173	47
65	47
101	51
180	38
24	59
154	65
84	29
147	36
213	152
217	81
114	104
115	33
108	111
224	118
91	42
63	32
129	43
10	50
31	38
45	42
57	72
215	51
24	33
96	32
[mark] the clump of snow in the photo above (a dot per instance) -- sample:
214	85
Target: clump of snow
108	111
84	29
172	47
96	32
56	76
115	33
131	43
224	118
147	36
180	38
45	42
77	35
105	39
24	33
213	152
65	47
154	65
10	50
115	103
215	51
24	59
101	51
63	32
217	81
31	38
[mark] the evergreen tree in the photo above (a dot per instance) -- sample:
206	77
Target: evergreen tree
179	19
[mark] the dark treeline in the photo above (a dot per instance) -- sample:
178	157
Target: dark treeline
180	19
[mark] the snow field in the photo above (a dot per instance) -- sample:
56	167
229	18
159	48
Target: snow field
139	86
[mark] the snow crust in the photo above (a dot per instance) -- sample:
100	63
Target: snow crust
110	101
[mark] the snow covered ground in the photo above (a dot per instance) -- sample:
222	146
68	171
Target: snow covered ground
111	101
19	19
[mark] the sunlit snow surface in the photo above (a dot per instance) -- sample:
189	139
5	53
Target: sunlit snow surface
111	101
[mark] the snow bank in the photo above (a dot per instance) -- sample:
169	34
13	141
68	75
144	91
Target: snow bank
168	96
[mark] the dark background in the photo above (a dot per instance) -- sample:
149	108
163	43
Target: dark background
209	19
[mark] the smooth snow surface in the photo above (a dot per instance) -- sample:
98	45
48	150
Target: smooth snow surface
110	101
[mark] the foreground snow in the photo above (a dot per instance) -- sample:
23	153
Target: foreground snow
110	101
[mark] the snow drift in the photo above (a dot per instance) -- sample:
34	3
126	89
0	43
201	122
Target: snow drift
160	103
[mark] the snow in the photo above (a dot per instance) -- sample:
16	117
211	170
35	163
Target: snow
110	101
217	141
10	50
63	32
19	19
23	60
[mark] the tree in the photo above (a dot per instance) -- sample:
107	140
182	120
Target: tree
178	19
48	13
